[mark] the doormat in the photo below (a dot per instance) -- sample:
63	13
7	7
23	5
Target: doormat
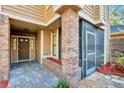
3	84
111	70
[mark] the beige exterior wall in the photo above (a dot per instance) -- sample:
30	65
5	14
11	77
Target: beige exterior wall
34	12
47	43
89	10
49	12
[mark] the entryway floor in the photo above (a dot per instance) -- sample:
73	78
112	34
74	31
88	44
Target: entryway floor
98	80
30	75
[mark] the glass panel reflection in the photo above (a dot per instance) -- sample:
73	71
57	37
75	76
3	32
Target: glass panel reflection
90	61
90	43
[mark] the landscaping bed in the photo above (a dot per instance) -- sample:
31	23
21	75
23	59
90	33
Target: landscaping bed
3	84
112	69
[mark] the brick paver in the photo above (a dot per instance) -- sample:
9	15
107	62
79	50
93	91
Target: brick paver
98	80
30	75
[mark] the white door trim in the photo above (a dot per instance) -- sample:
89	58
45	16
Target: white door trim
17	48
57	44
42	46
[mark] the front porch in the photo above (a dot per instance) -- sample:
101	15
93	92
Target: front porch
31	42
35	75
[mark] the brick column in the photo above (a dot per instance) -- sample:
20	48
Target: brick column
70	46
4	47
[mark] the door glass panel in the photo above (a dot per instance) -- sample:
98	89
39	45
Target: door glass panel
91	43
32	44
90	61
14	43
54	39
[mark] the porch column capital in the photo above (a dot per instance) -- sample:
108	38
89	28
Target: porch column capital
60	9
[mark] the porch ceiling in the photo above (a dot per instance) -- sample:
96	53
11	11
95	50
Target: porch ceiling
21	25
54	25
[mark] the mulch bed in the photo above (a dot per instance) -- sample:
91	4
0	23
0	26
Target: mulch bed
111	70
55	60
3	84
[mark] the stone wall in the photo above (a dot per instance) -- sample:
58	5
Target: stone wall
70	47
4	47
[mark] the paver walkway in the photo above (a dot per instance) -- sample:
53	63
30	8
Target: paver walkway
30	75
98	80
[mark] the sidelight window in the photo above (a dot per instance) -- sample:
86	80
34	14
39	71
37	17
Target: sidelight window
54	45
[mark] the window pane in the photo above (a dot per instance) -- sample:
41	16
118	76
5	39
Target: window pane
54	51
90	43
99	47
99	60
89	27
54	45
99	42
54	39
14	43
90	61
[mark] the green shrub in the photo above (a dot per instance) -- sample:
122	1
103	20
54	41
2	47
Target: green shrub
120	60
62	84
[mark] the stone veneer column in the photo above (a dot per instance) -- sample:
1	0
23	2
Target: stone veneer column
70	47
4	47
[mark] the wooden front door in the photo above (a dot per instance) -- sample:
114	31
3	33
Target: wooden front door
23	45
